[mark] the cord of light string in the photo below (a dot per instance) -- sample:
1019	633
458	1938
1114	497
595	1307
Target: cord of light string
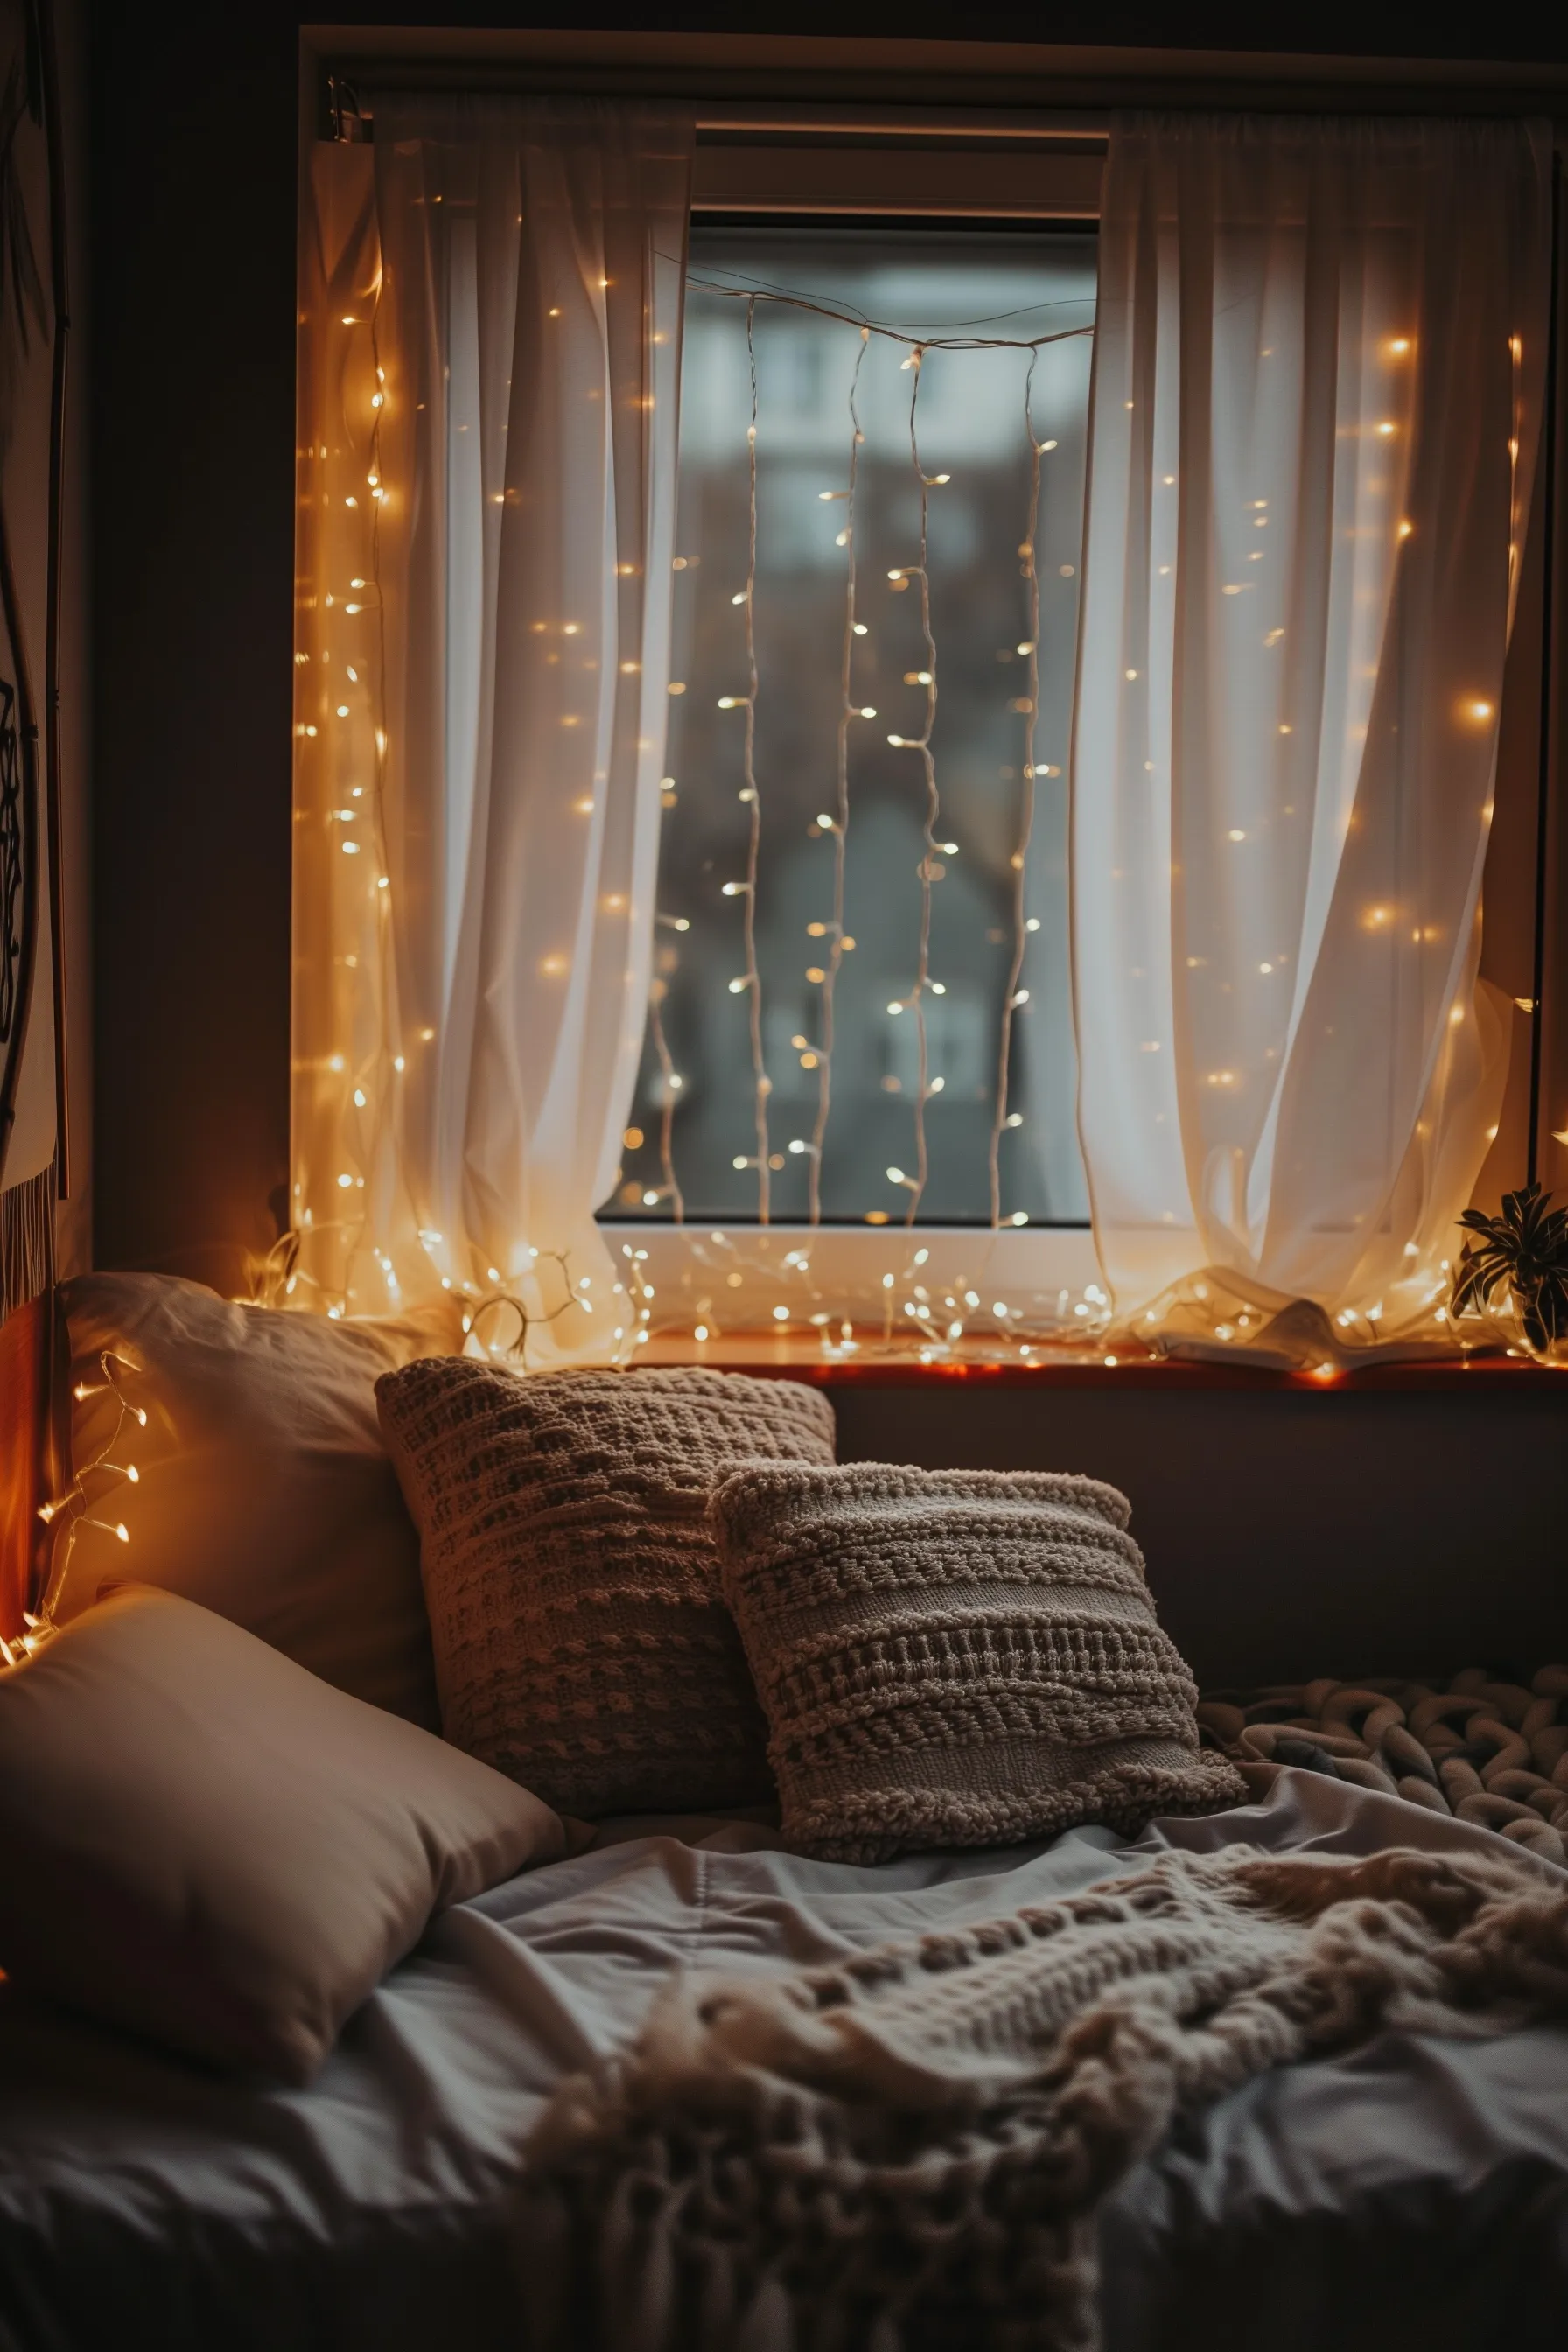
848	711
1011	998
753	983
917	346
922	744
751	297
667	1110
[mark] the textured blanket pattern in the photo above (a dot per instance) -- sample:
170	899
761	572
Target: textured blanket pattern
905	2150
1485	1750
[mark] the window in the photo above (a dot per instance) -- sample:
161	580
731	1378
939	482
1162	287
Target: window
861	946
1277	621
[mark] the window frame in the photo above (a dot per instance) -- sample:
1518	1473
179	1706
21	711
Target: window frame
758	95
863	181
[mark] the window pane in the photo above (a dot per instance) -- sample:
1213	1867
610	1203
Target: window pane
975	448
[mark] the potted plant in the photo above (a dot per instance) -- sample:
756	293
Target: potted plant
1516	1274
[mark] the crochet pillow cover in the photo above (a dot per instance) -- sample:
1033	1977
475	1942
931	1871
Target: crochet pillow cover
582	1643
956	1658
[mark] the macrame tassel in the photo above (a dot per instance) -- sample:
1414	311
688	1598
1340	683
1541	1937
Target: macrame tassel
26	1240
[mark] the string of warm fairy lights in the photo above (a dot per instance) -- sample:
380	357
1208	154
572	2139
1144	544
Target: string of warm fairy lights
370	1083
382	903
848	713
817	1053
913	1312
73	1508
371	1109
670	1078
753	982
330	1267
1012	996
915	1309
752	295
922	744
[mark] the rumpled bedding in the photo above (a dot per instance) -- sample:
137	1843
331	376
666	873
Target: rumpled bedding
1412	2191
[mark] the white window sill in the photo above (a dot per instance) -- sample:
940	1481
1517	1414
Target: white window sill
1019	1283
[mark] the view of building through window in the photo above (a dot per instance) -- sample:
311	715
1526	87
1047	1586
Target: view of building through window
977	660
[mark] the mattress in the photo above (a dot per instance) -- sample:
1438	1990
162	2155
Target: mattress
1412	2191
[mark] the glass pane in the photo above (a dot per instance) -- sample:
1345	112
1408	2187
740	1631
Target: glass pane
970	674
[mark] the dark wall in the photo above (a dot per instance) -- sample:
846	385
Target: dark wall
1291	1534
192	399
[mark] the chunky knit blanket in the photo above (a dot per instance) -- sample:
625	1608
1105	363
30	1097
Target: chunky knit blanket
1485	1750
905	2150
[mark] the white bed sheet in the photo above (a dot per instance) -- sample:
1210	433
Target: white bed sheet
1412	2186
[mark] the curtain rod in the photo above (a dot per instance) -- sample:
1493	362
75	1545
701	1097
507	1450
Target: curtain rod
346	104
350	112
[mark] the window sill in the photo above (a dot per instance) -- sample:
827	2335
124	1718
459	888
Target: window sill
783	1356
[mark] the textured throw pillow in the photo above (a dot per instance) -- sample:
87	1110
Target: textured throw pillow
263	1489
952	1657
211	1847
582	1643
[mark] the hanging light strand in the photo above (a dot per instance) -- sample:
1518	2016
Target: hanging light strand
752	296
922	744
387	1050
848	711
667	1112
73	1507
1027	807
367	1091
753	799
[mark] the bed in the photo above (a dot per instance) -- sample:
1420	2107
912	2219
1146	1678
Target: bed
1412	2192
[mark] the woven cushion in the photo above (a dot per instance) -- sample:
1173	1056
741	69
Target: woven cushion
581	1640
956	1658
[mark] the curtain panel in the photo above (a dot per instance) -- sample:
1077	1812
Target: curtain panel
489	383
1317	400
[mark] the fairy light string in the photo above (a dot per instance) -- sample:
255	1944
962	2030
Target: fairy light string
359	1230
74	1508
749	982
935	1320
348	663
501	1318
753	979
386	1054
821	1048
672	1088
752	296
922	744
847	712
1010	1001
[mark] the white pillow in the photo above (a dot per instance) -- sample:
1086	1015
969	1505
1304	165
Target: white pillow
212	1848
263	1490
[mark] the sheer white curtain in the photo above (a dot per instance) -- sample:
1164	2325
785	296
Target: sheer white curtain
491	342
1316	406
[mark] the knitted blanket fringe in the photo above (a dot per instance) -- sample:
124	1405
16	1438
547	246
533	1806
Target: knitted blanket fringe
905	2150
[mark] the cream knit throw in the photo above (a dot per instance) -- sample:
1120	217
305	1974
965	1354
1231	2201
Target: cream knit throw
905	2150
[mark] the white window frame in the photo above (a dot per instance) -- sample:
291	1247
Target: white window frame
1043	1275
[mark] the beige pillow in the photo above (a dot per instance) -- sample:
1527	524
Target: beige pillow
263	1487
581	1640
210	1846
954	1657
